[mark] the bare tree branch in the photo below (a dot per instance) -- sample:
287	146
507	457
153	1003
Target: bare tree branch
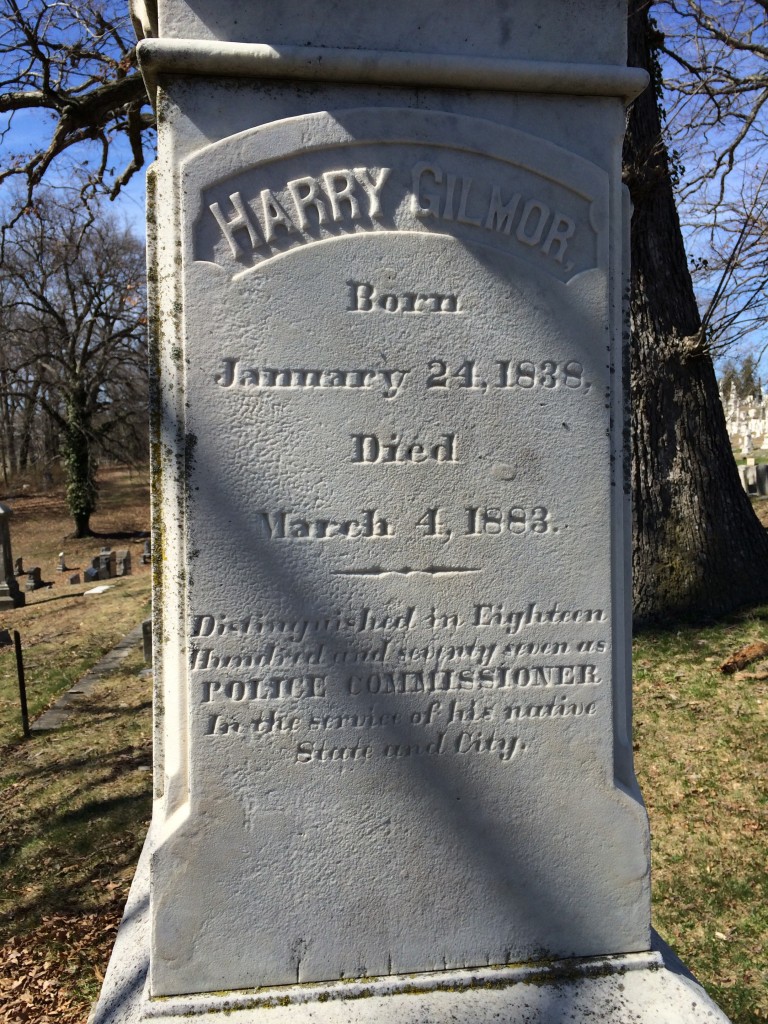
74	64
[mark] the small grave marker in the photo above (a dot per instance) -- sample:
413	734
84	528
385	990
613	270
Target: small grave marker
123	562
34	579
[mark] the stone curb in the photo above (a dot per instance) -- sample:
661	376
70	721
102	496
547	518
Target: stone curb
58	713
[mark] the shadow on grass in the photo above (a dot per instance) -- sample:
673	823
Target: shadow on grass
64	855
134	535
757	614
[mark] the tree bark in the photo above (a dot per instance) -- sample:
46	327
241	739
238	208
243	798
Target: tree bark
698	548
79	467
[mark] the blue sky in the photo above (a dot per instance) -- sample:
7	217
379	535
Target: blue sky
32	129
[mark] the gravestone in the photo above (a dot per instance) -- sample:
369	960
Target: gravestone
94	571
106	563
122	562
10	594
34	579
62	564
18	567
146	555
74	579
392	616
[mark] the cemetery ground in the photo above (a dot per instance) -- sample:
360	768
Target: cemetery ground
64	630
75	803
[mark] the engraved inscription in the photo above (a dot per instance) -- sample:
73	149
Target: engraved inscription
278	206
386	382
365	298
290	526
371	449
344	195
513	620
302	683
508	374
353	197
514	376
438	193
439	523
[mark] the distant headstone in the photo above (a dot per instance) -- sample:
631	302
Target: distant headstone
754	479
747	447
34	579
751	461
394	604
18	567
123	562
10	594
107	563
75	579
62	565
5	638
95	570
146	555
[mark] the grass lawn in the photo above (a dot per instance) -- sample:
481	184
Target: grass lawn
701	754
64	631
75	808
75	804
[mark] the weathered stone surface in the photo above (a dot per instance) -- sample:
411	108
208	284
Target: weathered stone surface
402	442
562	30
636	988
412	687
392	623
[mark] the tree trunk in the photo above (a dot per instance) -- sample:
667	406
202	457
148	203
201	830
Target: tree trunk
698	548
30	412
9	436
80	469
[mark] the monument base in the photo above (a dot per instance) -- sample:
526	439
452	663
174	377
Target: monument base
651	987
10	595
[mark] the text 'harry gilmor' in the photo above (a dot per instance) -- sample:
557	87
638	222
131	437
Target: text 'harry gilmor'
350	198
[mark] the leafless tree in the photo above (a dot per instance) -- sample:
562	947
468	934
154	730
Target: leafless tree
714	57
73	64
74	314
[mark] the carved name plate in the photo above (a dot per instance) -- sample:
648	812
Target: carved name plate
401	715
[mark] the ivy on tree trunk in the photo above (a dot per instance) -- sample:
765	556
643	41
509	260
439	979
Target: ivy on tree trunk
80	469
698	548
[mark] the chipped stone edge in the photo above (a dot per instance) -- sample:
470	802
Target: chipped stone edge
384	67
